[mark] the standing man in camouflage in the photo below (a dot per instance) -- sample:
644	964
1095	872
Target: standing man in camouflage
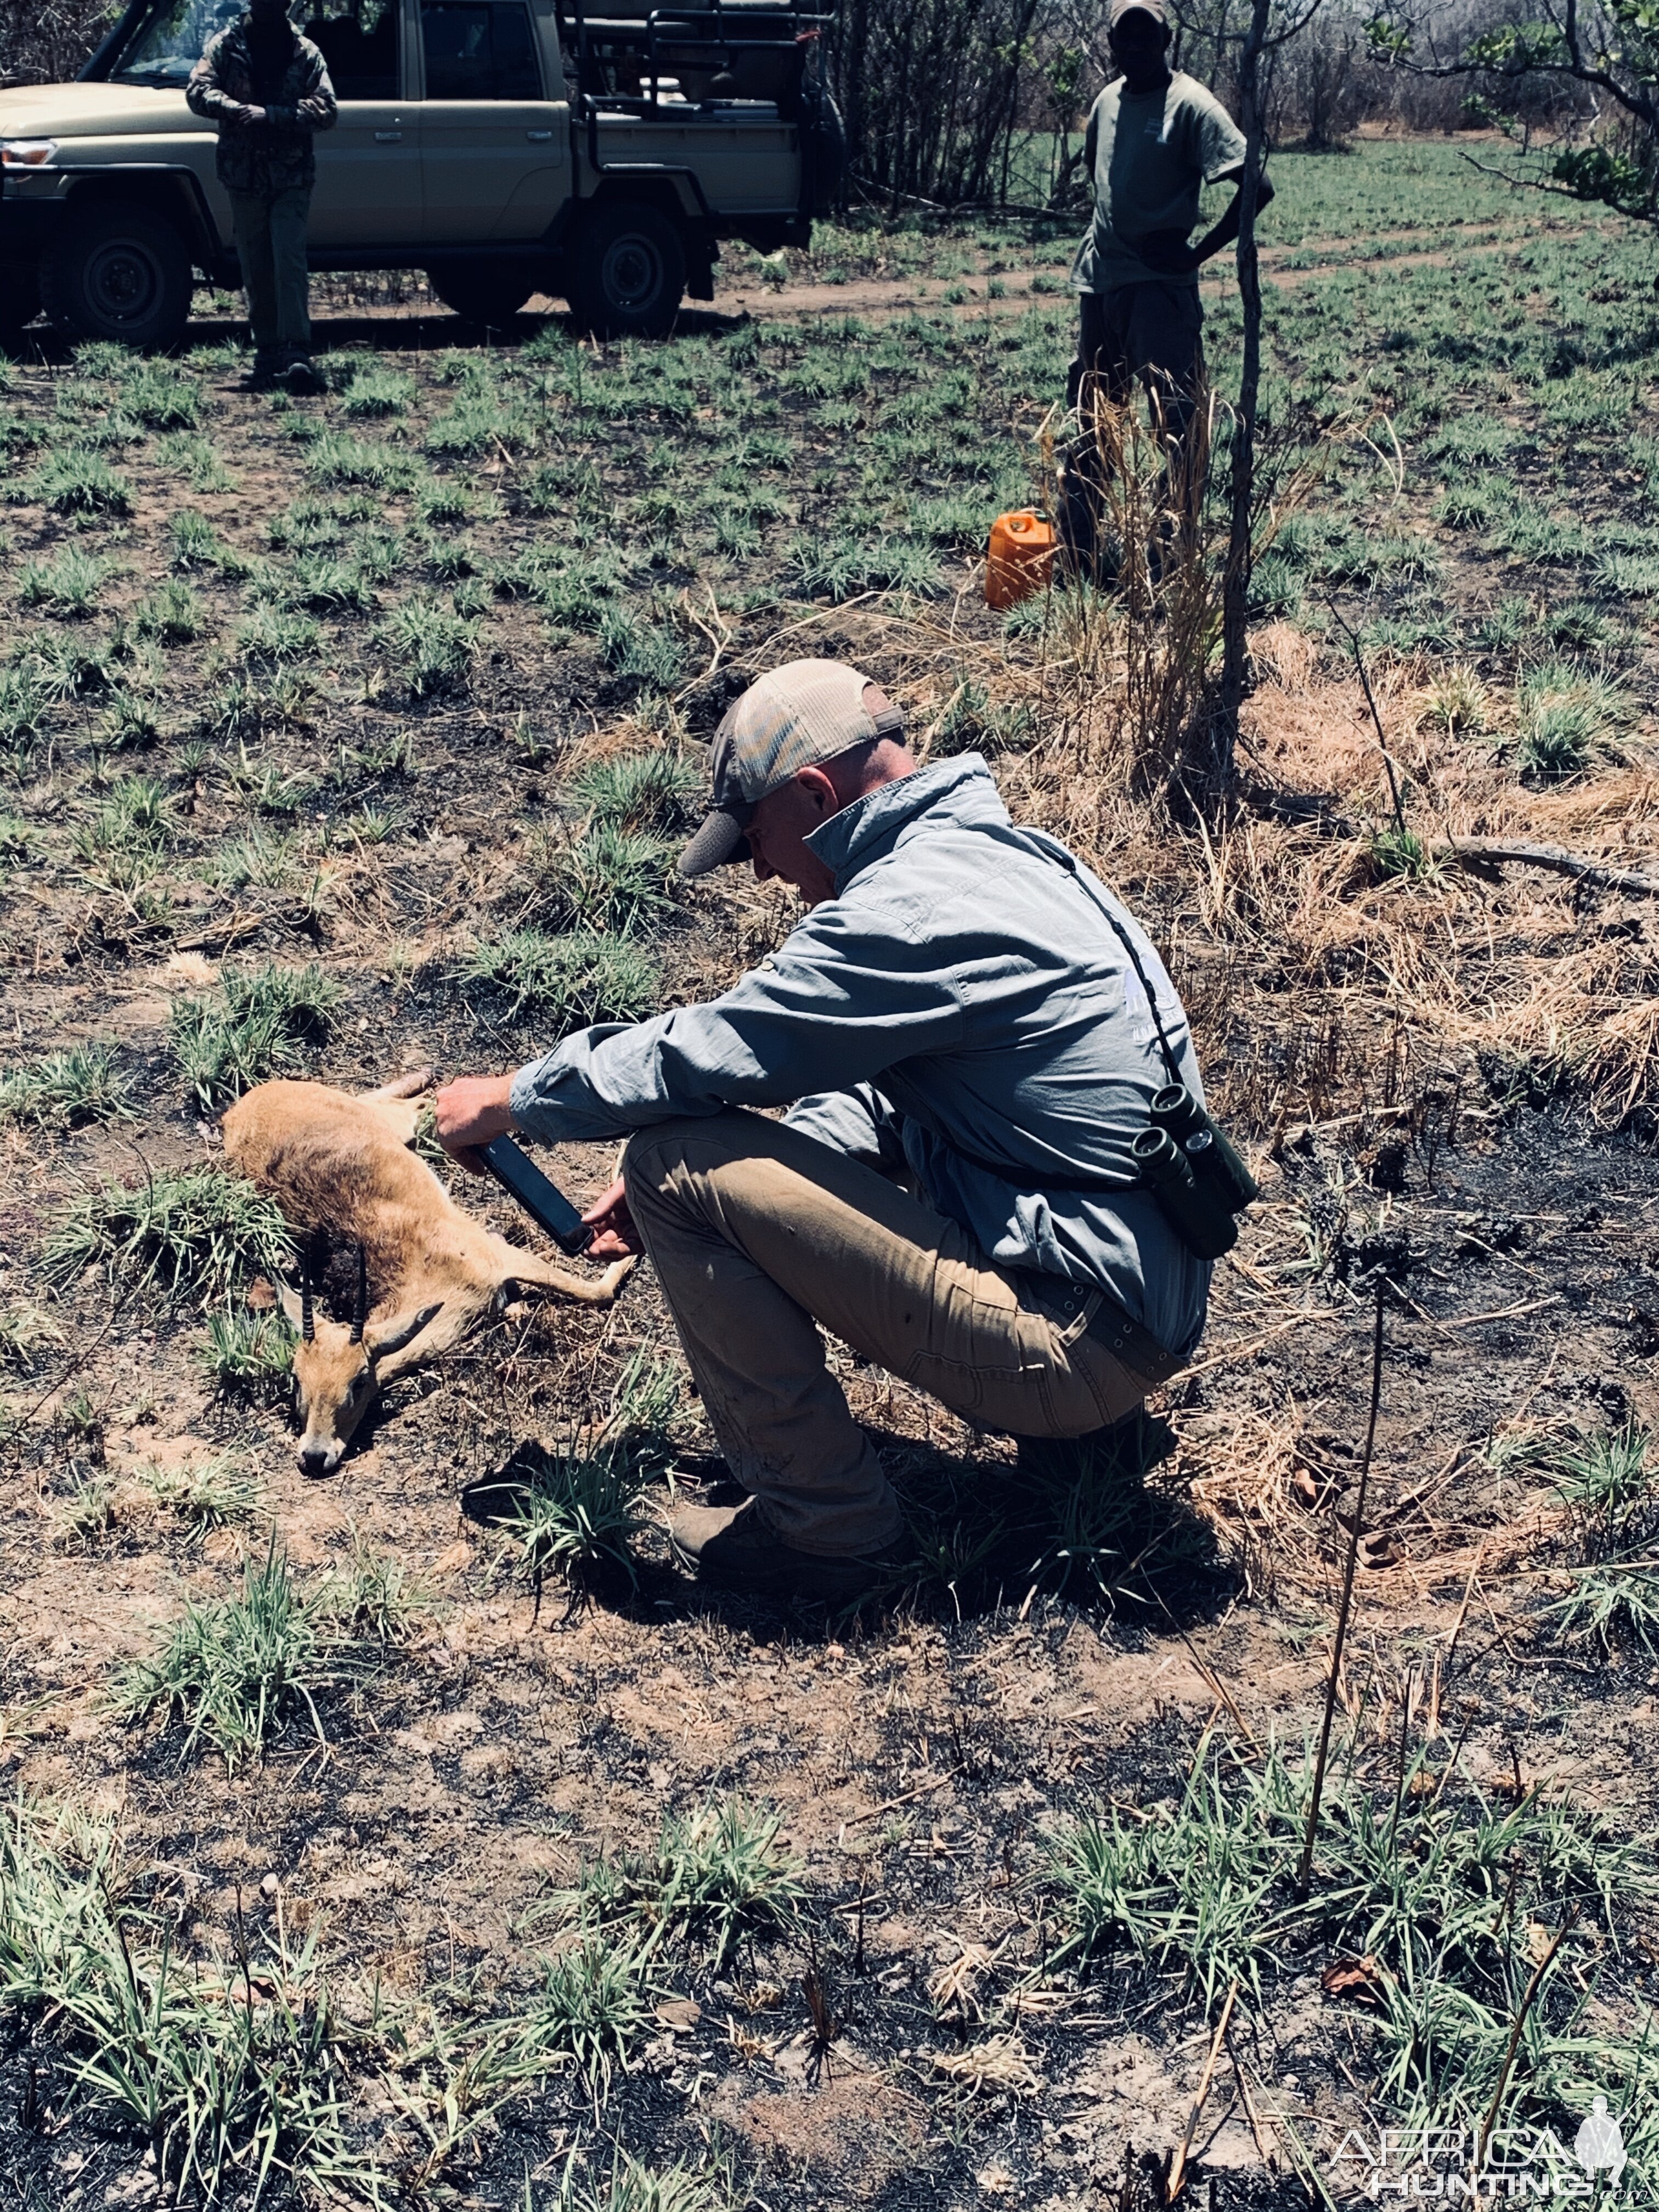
267	88
1155	137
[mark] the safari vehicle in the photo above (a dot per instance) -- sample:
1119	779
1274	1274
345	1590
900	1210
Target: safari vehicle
506	147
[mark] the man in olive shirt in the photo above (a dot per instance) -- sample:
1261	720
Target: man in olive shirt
1155	138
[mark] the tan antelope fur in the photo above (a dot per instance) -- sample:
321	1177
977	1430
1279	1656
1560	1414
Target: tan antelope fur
342	1163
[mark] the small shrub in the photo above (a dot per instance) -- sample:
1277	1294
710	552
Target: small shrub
259	1023
188	1232
235	1672
329	586
971	722
68	1088
86	1512
629	2186
136	818
1458	702
336	458
376	1599
570	981
129	723
61	667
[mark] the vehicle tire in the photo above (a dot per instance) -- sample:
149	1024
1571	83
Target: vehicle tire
19	298
489	292
118	274
627	272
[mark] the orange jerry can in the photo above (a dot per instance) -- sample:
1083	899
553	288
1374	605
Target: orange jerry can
1022	553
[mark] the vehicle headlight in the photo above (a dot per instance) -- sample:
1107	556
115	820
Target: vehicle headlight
27	153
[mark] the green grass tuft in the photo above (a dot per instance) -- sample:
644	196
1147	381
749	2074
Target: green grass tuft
607	880
68	1088
234	1673
188	1232
656	791
568	982
248	1355
260	1023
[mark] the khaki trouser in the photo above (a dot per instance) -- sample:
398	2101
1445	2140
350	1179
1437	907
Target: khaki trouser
269	230
758	1233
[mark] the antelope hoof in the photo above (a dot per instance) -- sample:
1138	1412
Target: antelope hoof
616	1275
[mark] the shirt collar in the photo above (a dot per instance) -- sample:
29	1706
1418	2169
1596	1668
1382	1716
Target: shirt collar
867	829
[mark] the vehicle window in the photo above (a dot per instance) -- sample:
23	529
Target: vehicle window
169	43
358	39
479	49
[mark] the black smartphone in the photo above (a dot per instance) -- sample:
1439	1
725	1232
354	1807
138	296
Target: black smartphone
520	1176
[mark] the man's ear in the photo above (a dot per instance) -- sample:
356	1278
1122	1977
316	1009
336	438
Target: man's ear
402	1329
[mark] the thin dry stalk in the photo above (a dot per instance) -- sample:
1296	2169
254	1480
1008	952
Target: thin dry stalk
1304	1872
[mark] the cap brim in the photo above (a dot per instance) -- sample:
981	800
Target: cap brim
721	839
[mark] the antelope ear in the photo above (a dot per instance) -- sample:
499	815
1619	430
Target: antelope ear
390	1336
291	1304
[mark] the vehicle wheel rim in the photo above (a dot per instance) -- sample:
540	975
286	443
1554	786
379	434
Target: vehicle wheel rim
123	281
631	273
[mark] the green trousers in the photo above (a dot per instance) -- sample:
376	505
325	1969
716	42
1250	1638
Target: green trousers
269	229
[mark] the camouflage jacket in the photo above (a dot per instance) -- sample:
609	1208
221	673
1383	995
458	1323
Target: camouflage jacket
275	156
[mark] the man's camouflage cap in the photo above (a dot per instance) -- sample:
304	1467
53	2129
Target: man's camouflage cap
801	714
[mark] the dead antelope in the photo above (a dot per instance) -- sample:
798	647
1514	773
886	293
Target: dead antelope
342	1163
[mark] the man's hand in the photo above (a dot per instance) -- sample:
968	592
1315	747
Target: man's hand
470	1112
1168	251
243	116
608	1215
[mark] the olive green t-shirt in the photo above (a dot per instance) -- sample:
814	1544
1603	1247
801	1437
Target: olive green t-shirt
1150	154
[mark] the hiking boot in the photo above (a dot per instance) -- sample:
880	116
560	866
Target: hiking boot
262	377
731	1547
302	379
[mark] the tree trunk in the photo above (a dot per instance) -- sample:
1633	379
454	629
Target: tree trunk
1236	587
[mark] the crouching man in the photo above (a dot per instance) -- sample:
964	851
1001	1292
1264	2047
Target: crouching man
963	1000
268	90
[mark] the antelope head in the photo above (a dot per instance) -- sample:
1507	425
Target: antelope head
338	1371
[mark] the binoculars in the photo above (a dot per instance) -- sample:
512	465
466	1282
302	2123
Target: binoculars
1198	1179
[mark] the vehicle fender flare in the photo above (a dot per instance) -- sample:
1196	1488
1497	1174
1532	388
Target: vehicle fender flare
674	192
161	188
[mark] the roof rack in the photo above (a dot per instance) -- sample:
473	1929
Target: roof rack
635	56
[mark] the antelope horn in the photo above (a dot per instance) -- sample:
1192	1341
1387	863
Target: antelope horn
307	1315
361	1313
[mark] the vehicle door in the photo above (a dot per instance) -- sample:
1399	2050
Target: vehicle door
495	148
368	165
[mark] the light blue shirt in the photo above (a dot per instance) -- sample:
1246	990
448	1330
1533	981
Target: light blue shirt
961	1001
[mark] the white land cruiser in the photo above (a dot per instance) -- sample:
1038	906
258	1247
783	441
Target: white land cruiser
506	147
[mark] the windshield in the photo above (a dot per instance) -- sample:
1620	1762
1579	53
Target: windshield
169	45
358	39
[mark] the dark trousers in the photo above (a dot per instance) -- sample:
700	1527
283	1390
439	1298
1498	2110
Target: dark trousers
1150	335
269	229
